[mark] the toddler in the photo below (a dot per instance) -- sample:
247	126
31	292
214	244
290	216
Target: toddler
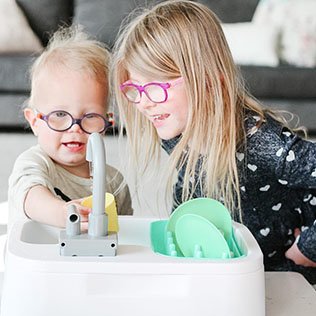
68	102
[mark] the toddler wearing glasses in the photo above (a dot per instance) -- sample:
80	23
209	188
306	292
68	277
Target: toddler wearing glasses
176	86
68	101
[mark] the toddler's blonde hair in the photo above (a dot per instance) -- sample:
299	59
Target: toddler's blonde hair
72	48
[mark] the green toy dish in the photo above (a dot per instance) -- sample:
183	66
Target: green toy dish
199	238
212	210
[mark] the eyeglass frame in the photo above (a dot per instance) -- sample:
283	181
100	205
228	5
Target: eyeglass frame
107	122
142	88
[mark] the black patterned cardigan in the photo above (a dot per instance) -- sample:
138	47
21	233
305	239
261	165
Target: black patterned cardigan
277	174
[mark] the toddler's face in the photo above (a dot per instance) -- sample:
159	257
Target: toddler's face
76	93
170	117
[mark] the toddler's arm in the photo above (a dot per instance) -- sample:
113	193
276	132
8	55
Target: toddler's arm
42	206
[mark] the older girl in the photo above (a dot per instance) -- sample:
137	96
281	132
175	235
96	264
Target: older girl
177	87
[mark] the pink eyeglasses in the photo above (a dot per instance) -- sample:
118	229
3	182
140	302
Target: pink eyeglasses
155	91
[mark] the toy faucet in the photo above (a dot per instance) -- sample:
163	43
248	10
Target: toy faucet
98	220
98	241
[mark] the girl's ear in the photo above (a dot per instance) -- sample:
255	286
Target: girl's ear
30	116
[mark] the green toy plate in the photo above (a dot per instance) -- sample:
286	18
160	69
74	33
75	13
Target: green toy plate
212	210
199	238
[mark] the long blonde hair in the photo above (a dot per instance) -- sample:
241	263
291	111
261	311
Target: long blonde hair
74	49
183	38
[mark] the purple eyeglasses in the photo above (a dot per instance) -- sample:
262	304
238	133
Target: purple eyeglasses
61	121
155	91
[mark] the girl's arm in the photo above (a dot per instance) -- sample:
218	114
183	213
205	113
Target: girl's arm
42	206
294	254
299	170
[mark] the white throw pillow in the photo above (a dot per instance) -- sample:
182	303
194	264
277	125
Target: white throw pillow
271	12
252	44
298	40
15	32
295	20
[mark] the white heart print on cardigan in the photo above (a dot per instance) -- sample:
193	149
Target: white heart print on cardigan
290	156
265	188
283	182
277	207
252	167
265	231
240	156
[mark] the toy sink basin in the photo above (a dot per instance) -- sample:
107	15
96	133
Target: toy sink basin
138	281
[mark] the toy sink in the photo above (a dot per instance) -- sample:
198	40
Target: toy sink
137	281
52	272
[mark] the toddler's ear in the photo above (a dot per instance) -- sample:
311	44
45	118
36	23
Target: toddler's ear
30	116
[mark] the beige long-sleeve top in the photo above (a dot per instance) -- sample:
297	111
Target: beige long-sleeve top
34	167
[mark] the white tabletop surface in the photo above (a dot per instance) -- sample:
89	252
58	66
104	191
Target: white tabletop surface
289	294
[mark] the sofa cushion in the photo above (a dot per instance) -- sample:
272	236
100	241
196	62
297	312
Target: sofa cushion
11	106
44	16
280	82
232	11
298	41
103	18
14	70
295	21
263	39
11	40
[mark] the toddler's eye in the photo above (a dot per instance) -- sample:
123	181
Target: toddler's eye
60	114
90	116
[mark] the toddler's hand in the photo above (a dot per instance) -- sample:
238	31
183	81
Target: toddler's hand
294	254
83	211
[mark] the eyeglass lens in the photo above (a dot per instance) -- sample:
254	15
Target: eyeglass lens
90	123
154	92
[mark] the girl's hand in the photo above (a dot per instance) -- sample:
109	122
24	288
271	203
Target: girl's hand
294	254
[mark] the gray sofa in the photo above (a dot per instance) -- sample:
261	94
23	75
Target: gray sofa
285	87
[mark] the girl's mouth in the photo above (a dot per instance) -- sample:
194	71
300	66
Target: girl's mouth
160	117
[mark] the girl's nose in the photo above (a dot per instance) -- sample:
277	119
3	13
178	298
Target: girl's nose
146	103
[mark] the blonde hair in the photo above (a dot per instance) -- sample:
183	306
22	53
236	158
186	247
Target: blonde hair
183	38
72	48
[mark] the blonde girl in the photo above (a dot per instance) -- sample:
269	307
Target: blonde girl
177	86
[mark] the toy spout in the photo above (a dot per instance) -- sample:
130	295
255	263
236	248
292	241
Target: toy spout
73	221
98	220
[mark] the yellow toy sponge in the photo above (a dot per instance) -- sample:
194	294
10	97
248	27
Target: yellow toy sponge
110	210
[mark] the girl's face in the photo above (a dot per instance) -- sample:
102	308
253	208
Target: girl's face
169	117
76	93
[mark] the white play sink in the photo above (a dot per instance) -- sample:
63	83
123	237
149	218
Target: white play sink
137	281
